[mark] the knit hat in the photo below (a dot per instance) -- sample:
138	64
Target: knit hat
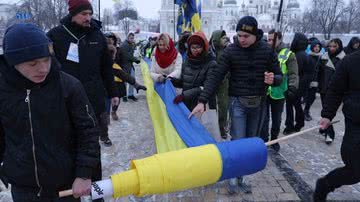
248	24
25	42
77	6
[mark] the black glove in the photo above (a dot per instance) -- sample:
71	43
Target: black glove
176	82
291	93
139	87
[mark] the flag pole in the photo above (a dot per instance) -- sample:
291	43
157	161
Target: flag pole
277	25
174	21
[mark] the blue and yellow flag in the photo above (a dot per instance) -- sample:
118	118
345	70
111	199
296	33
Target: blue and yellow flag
189	15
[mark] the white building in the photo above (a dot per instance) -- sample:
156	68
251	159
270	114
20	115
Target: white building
229	12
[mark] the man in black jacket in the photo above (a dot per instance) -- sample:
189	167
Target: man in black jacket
126	59
344	87
51	134
252	65
298	46
81	48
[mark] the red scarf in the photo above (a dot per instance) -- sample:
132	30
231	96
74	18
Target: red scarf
165	59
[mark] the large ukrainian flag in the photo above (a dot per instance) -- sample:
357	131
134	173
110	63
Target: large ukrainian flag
189	16
188	156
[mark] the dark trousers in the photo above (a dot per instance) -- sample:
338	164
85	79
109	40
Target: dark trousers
310	98
292	104
350	173
25	195
274	108
103	124
329	131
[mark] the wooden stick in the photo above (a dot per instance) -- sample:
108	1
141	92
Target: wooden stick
296	134
66	193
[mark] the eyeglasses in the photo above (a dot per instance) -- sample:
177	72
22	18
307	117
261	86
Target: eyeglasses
196	47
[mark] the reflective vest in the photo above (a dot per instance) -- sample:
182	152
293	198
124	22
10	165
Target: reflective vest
148	52
278	92
117	67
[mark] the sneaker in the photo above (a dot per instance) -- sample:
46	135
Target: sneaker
107	142
133	98
276	147
244	187
125	99
114	116
233	186
288	131
328	140
307	116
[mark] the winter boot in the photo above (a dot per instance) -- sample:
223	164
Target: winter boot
114	116
322	189
307	116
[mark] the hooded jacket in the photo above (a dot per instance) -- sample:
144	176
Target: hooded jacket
195	72
95	67
43	151
349	49
306	72
247	67
215	40
125	56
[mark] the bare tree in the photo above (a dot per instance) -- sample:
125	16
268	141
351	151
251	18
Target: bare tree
352	14
45	13
107	18
328	13
124	14
306	23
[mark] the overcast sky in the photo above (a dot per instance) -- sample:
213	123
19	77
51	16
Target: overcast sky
149	8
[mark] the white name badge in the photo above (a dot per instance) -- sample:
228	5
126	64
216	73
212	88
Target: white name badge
73	53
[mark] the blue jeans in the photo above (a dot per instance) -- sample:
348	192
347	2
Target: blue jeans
245	121
274	108
131	87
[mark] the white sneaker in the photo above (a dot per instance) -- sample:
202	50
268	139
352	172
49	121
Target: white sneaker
328	140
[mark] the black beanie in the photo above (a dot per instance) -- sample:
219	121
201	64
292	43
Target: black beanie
25	42
248	24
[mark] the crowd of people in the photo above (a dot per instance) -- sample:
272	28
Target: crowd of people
78	75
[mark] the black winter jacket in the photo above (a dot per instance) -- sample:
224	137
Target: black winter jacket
326	69
51	134
247	67
193	75
95	67
306	72
345	87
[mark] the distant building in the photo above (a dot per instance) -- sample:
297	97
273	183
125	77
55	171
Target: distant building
224	14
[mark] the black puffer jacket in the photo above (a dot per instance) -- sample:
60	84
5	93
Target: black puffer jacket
306	71
56	118
95	67
247	67
193	75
